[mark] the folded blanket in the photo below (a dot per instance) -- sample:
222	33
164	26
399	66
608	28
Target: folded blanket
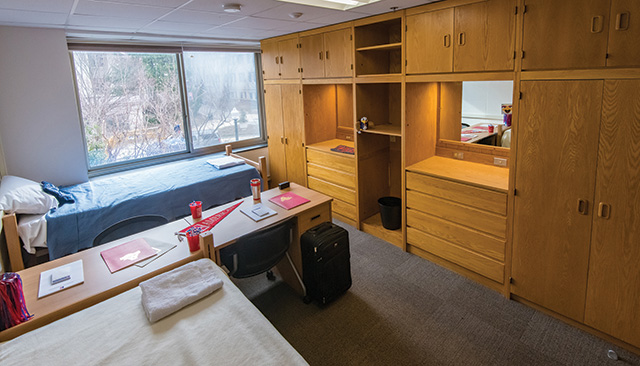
169	292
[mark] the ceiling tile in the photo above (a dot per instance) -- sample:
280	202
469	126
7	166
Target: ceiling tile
189	16
260	23
343	16
108	22
160	3
385	6
19	17
175	27
308	12
230	32
249	7
51	6
97	8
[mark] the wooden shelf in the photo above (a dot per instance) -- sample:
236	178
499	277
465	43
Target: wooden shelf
378	78
390	130
480	175
373	226
326	146
381	47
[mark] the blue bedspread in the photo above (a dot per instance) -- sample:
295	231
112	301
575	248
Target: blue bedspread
164	190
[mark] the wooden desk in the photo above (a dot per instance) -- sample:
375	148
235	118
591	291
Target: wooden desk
237	224
99	284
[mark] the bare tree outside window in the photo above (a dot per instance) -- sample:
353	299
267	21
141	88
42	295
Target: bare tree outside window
222	97
131	105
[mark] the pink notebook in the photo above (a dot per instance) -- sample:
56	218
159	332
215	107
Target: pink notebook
126	254
288	200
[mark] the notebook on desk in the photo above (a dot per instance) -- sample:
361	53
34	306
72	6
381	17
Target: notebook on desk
288	200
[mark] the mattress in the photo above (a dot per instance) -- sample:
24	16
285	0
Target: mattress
224	328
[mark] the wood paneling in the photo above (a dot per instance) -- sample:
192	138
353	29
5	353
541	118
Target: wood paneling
486	222
556	162
319	113
613	292
624	33
333	190
429	42
465	194
275	133
565	34
293	121
312	56
450	125
338	53
270	67
420	121
345	209
478	263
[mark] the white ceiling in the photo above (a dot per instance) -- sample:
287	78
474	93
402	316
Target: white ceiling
180	21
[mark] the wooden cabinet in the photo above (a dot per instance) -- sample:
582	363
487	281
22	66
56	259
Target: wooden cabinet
474	37
280	59
378	45
285	130
555	177
613	291
326	54
459	221
624	34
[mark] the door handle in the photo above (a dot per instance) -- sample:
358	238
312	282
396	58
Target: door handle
462	39
320	55
277	60
620	19
281	60
326	55
447	40
583	206
596	24
282	139
286	141
604	210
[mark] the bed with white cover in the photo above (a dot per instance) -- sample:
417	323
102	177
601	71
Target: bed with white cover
223	328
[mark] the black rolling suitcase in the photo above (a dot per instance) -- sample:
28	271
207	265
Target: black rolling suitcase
326	264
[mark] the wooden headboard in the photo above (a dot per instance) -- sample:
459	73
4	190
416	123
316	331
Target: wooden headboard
9	226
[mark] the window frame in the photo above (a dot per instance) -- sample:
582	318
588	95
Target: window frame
190	151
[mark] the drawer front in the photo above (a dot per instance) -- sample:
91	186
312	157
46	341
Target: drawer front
345	209
331	175
472	261
465	194
333	190
313	217
344	163
456	234
467	216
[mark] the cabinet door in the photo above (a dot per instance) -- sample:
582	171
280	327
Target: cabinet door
270	60
312	56
624	33
484	36
568	34
289	58
613	292
293	117
338	53
556	160
429	42
275	134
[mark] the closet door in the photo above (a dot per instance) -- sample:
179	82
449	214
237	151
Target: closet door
275	134
624	33
270	60
613	292
338	53
289	58
555	178
312	56
293	118
430	42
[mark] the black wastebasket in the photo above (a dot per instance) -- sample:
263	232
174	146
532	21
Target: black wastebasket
390	212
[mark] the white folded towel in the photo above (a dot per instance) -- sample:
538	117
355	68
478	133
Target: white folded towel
169	292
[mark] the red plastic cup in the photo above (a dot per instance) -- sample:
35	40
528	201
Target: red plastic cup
196	209
491	128
194	241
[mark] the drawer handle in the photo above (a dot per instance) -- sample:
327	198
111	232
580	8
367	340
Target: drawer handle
315	217
320	55
447	40
583	206
596	24
462	39
281	60
622	18
604	210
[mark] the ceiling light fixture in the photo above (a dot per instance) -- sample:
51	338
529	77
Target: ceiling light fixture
232	8
333	4
295	15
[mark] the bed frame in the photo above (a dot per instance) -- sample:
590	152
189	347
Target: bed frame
9	227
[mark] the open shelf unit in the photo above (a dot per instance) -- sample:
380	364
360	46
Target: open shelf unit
379	48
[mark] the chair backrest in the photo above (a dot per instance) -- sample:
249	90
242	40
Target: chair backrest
257	252
129	226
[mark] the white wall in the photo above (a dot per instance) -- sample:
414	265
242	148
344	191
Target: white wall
482	100
39	122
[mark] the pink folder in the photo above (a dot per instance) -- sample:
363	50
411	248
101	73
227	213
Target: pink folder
126	254
288	200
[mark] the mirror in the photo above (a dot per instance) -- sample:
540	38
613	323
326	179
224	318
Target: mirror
477	112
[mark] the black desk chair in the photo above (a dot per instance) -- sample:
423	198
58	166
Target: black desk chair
259	252
129	226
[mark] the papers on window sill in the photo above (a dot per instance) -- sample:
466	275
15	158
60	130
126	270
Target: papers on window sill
225	162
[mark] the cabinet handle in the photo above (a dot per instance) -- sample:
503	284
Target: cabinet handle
282	139
462	39
447	40
604	210
281	60
596	24
320	55
286	141
620	18
326	55
583	206
277	62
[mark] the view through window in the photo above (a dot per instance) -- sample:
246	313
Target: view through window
132	105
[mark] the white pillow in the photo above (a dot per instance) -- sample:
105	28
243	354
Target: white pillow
23	196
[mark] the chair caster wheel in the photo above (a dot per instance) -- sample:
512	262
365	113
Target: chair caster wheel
306	299
271	276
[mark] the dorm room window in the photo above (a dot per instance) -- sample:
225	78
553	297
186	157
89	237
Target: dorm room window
142	106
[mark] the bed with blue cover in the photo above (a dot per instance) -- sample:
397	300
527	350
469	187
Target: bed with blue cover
164	190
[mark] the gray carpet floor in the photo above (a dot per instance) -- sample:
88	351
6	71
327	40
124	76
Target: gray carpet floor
404	310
